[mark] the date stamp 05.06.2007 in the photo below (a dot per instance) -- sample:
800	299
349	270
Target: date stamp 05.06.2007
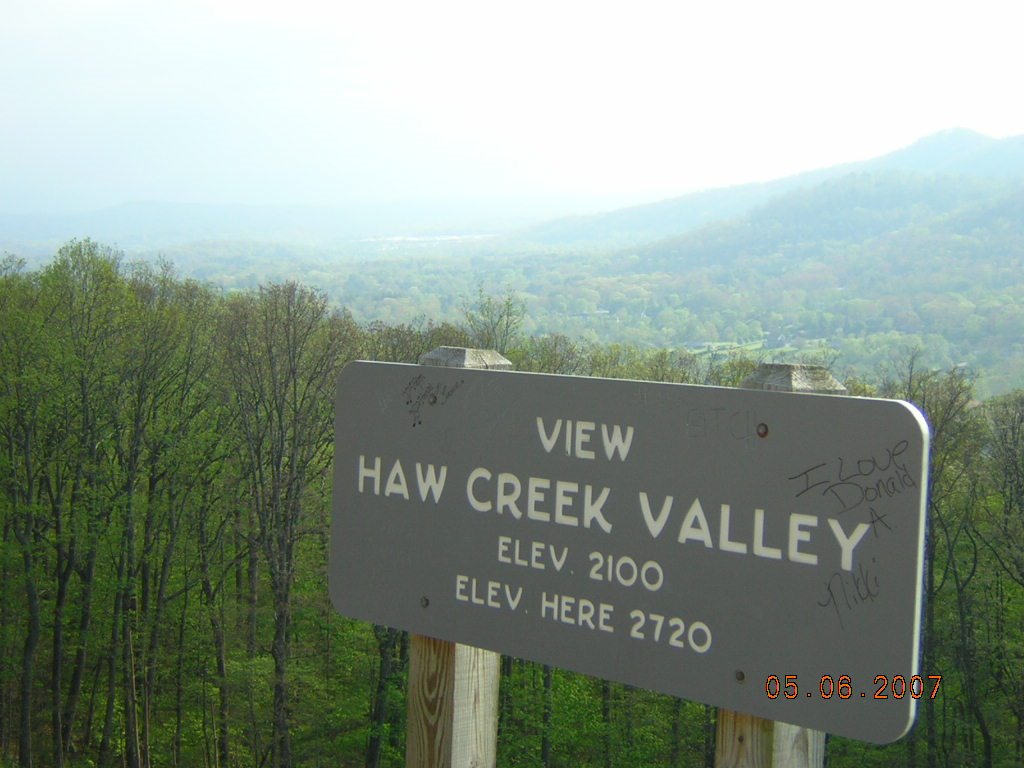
844	687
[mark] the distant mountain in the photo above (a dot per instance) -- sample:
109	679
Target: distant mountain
867	263
852	209
653	221
158	226
146	226
919	248
956	152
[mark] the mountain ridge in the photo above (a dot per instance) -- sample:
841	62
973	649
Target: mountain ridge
145	226
957	151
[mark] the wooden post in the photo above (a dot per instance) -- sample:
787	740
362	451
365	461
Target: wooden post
745	741
453	689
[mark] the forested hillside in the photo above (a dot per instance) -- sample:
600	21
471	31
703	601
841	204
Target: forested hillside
921	248
165	453
951	153
864	265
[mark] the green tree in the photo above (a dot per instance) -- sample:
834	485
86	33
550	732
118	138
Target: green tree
282	353
26	384
945	399
494	322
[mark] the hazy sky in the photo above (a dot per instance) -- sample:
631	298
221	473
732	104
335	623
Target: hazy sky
295	101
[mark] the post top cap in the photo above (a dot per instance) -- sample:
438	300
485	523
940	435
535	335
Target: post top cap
465	357
794	377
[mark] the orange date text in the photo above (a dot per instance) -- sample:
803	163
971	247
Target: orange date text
844	687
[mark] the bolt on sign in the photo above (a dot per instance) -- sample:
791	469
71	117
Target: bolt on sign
757	551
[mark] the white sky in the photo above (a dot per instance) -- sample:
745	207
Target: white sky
296	101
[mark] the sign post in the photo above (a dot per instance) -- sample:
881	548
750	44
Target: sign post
744	741
752	550
452	698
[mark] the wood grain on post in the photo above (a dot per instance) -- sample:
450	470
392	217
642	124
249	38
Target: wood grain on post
453	689
745	741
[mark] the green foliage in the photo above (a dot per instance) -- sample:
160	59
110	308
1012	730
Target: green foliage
864	263
143	572
494	323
